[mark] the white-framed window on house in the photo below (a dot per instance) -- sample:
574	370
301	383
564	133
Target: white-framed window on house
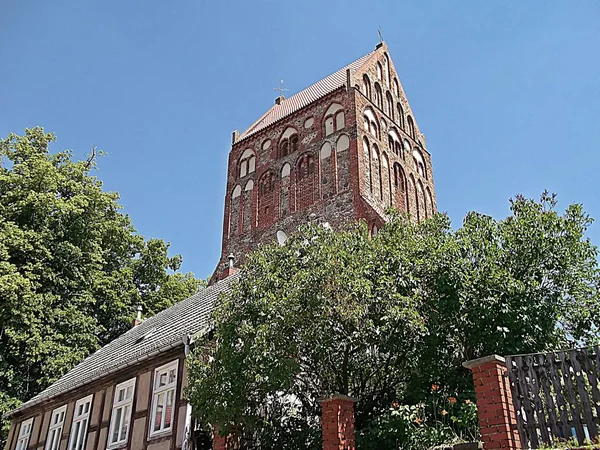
163	398
120	420
57	420
81	420
24	434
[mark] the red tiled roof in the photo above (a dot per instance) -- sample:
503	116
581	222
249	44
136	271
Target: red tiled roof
304	97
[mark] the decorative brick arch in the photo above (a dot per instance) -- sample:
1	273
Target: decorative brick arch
247	163
288	142
306	181
334	119
400	200
235	211
267	213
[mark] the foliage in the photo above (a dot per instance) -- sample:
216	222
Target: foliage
379	318
72	267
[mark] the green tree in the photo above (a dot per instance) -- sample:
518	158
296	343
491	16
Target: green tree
72	267
383	318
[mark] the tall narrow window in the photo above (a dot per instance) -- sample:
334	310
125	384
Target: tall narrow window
81	418
366	86
411	127
24	434
247	163
163	398
390	105
57	420
378	96
120	420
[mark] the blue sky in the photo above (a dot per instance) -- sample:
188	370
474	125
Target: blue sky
506	92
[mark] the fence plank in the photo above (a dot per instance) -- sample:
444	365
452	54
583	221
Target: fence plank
530	425
586	406
534	386
572	397
593	372
513	377
556	378
545	382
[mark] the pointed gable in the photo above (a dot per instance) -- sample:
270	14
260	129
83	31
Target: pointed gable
305	97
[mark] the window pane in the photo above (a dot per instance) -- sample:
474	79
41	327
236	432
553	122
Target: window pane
159	412
162	379
81	439
116	425
125	425
169	408
172	376
129	392
74	436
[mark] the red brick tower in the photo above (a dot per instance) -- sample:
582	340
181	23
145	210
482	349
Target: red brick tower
341	150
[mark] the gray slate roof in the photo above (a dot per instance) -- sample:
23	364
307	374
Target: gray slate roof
163	331
305	97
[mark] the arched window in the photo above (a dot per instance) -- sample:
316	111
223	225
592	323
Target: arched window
371	123
306	190
334	119
266	199
419	163
247	163
429	201
325	151
366	86
267	183
386	69
390	105
400	116
379	71
288	143
411	127
306	167
367	157
376	174
386	181
394	142
399	200
396	88
285	170
420	199
378	96
406	151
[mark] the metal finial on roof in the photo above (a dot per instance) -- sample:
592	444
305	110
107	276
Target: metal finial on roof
281	89
380	34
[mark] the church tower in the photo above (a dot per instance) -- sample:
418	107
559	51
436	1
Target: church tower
342	150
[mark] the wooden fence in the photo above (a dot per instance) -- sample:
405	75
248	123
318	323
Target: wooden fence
556	395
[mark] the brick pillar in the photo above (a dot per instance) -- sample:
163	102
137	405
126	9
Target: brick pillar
219	442
497	419
229	442
337	422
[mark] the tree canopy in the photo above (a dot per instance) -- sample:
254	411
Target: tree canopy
72	267
382	318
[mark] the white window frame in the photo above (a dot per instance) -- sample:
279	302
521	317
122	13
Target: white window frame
80	418
57	422
23	438
163	390
122	405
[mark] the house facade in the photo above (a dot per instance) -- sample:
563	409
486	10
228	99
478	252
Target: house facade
344	149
